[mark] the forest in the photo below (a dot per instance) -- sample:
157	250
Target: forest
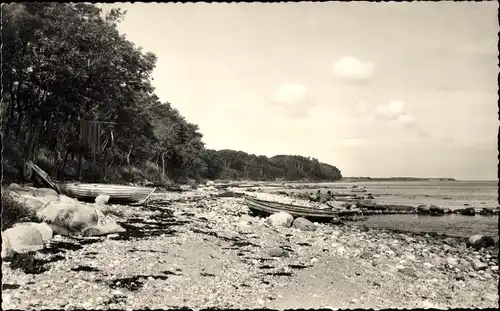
78	100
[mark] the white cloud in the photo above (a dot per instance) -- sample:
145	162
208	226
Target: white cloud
392	110
290	94
407	119
291	100
352	70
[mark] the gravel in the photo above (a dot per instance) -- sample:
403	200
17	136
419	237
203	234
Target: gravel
198	250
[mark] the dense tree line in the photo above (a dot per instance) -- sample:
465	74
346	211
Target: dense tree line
77	99
238	165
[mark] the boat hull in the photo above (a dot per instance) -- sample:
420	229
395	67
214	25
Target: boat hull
267	208
117	193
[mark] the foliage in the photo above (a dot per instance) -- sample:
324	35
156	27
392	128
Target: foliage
234	165
64	63
13	211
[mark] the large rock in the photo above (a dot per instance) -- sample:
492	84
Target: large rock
50	211
23	238
78	217
44	229
486	212
43	192
62	230
303	224
33	204
280	219
105	229
423	209
13	186
469	211
67	200
436	209
71	216
7	251
102	199
478	241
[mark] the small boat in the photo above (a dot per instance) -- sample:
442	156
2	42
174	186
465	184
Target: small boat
117	193
88	192
267	208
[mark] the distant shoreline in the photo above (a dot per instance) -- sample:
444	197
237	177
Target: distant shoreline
396	179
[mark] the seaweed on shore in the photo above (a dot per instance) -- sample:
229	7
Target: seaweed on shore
29	264
133	283
159	224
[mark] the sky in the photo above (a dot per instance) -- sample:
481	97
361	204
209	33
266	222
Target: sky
376	89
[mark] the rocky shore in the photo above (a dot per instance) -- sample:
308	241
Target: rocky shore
203	248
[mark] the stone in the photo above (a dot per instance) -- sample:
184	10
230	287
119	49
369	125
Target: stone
303	224
408	271
62	230
43	192
340	250
105	229
102	199
280	219
479	265
7	251
436	209
248	219
428	265
33	204
277	252
490	297
366	255
410	257
423	209
45	230
494	269
486	211
478	241
67	200
452	261
78	217
210	183
50	211
15	187
469	211
22	239
447	211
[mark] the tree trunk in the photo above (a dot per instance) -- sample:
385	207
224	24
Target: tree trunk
63	169
163	164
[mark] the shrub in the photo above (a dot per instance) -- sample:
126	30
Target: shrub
13	211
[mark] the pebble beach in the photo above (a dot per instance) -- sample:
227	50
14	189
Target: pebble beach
201	249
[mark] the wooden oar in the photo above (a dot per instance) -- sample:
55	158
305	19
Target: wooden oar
30	168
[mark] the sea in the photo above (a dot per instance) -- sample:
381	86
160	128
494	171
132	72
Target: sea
451	194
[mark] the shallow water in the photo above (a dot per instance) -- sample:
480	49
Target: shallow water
451	194
453	225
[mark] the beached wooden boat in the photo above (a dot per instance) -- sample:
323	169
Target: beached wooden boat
117	193
88	192
265	207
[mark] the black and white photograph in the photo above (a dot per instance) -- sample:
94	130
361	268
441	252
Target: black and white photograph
279	155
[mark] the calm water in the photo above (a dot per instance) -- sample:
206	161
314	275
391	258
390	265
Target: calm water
452	194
